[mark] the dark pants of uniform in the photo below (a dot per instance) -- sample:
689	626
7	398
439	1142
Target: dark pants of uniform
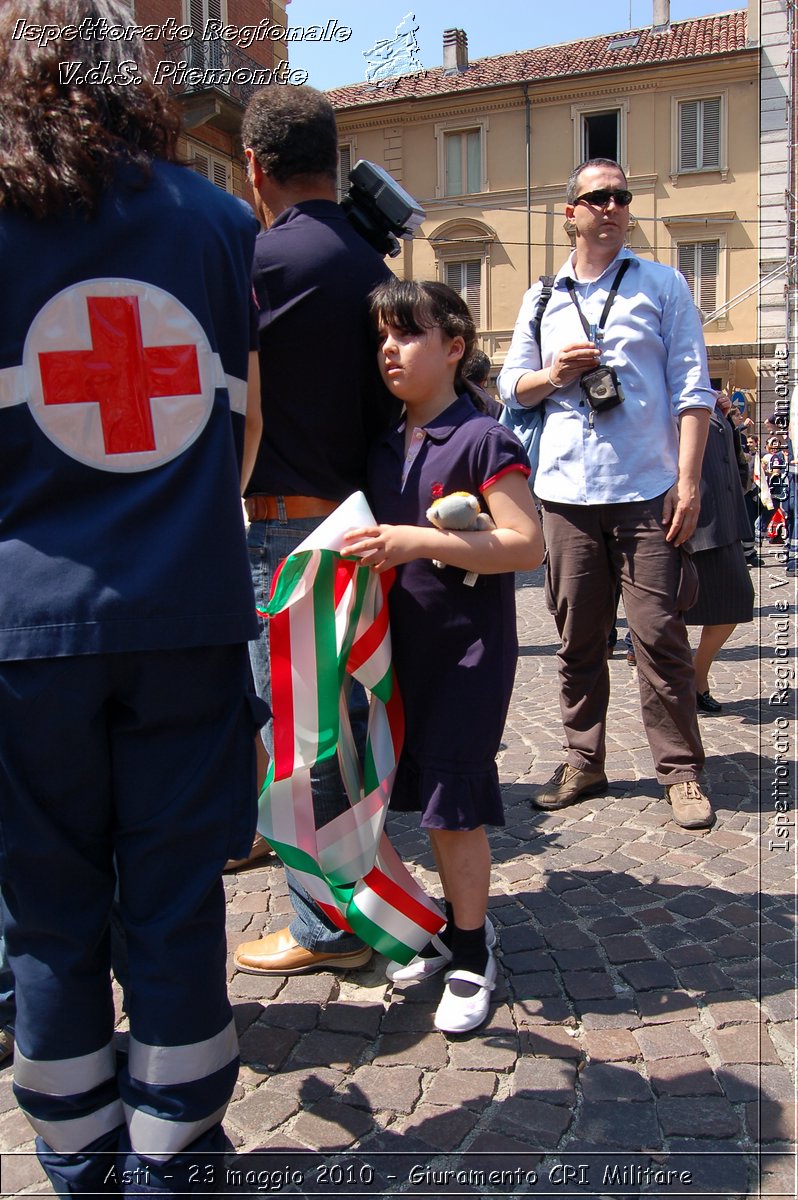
591	550
136	768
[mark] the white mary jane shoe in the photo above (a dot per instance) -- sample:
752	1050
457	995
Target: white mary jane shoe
422	967
460	1014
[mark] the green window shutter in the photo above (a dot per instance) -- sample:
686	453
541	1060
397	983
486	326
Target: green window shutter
453	184
474	158
344	167
688	135
708	260
466	279
710	133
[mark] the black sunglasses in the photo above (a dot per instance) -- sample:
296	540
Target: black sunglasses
602	196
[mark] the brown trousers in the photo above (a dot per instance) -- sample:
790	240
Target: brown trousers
592	551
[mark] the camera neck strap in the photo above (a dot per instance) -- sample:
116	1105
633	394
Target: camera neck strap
590	330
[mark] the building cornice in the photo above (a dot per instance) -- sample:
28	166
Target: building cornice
553	90
711	218
422	109
467	208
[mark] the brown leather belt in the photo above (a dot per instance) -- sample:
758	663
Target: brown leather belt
267	508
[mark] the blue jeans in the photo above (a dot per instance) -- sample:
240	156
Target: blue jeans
8	1008
269	543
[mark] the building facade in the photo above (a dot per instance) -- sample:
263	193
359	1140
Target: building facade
211	55
487	147
778	312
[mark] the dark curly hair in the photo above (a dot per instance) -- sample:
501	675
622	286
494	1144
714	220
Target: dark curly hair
61	143
292	132
477	369
414	306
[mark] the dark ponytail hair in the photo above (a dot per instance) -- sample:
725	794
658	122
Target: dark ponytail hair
414	306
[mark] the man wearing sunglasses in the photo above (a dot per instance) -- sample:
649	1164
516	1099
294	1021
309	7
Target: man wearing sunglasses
621	365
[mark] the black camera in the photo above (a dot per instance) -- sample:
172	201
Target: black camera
602	389
380	210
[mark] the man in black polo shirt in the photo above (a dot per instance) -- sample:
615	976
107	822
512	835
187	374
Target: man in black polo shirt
322	403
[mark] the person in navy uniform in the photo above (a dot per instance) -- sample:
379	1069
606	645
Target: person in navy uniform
127	719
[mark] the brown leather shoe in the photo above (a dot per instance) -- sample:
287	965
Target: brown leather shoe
6	1045
280	954
567	785
691	807
260	851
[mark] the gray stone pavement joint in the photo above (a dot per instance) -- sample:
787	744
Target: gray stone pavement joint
633	1025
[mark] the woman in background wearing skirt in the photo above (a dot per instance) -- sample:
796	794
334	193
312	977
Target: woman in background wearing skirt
726	594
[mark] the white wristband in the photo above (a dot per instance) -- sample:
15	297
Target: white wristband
551	381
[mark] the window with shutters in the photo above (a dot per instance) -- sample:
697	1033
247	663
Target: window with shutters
210	166
205	52
699	135
463	166
346	160
463	250
197	13
461	159
699	262
466	279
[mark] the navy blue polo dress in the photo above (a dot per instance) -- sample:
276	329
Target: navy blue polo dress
455	647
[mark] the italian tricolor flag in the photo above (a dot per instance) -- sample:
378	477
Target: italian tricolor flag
329	621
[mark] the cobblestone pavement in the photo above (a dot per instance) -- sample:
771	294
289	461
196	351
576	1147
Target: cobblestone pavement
641	1040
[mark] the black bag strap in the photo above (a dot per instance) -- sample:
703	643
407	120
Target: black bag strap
547	282
616	283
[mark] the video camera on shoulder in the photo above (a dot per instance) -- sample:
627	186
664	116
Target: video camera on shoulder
380	210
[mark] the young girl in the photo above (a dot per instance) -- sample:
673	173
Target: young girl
454	646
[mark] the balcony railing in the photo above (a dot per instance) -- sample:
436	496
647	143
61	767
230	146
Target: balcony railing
202	65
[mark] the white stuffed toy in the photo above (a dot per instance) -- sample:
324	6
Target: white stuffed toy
461	511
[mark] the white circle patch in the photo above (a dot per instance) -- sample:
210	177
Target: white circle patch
119	374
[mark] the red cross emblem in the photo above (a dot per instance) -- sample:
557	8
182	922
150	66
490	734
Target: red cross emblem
120	374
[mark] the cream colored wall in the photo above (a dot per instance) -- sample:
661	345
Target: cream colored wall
404	136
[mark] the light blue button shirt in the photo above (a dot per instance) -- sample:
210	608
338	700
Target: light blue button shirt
653	339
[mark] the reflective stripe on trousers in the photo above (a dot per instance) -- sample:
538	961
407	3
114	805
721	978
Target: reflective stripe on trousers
46	1089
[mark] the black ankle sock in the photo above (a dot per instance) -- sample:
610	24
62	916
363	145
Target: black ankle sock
469	951
444	935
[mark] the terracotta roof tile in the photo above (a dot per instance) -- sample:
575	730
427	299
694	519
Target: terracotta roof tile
697	38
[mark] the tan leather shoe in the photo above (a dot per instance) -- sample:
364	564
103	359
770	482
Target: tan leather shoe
280	954
261	850
567	785
691	807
